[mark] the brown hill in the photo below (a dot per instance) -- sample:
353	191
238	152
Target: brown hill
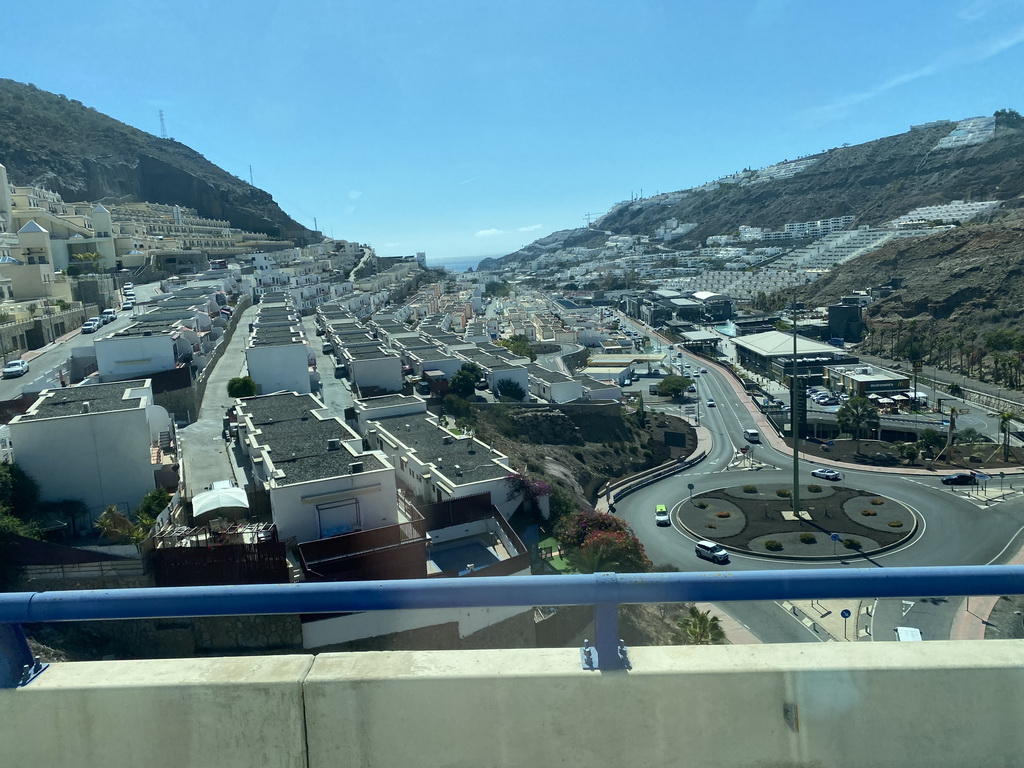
60	144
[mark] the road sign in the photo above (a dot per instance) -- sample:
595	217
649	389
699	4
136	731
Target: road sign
845	613
743	449
690	486
835	537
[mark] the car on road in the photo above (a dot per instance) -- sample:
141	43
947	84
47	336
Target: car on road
826	474
661	515
711	551
108	316
691	388
128	306
14	369
960	479
129	285
89	327
711	404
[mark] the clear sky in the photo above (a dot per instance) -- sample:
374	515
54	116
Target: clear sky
470	128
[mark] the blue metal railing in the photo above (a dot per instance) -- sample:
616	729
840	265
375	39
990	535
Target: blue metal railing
605	591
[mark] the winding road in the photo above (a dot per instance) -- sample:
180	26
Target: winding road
956	527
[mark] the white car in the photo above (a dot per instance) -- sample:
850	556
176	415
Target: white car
14	369
711	404
661	515
826	474
711	551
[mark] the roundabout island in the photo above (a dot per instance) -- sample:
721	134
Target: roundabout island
758	519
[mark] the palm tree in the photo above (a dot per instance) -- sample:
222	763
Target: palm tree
855	414
699	628
594	559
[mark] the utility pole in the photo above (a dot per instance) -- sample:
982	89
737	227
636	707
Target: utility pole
795	420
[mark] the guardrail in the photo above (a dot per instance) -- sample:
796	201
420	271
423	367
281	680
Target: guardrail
605	591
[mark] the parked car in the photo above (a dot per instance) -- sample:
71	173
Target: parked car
14	369
826	474
661	515
90	327
129	285
711	551
960	479
109	316
128	306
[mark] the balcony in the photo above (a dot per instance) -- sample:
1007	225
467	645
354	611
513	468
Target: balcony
831	704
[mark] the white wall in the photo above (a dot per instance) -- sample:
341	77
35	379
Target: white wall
100	458
123	358
295	506
384	372
278	368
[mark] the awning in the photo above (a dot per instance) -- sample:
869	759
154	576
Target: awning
900	397
886	401
873	396
209	502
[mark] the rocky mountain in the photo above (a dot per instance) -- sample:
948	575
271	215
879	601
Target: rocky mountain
60	144
874	182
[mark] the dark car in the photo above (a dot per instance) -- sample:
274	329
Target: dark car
959	479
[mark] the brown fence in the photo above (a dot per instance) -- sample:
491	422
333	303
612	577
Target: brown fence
262	563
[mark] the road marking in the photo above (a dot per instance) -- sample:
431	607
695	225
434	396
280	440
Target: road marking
1008	545
907	605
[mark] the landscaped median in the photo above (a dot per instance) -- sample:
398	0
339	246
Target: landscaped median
759	520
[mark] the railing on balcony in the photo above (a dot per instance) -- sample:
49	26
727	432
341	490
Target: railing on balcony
605	591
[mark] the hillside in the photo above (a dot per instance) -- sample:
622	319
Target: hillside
60	144
875	182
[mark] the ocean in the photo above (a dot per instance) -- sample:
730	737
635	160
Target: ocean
457	264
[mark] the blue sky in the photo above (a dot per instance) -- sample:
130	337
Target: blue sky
472	128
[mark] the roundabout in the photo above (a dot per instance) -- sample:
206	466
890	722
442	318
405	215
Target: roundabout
759	520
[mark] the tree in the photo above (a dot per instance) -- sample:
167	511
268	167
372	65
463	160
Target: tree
856	414
618	551
136	527
241	386
699	628
511	389
910	452
673	386
519	345
463	382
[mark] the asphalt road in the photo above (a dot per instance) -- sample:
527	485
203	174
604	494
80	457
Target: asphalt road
956	527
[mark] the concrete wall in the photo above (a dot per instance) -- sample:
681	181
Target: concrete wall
855	705
101	458
132	357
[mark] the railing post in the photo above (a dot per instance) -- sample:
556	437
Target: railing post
611	652
17	664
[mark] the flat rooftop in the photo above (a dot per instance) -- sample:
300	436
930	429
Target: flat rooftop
69	401
427	440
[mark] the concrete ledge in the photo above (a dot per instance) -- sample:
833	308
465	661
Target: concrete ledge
931	705
916	704
228	713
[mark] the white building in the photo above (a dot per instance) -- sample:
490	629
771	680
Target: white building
96	443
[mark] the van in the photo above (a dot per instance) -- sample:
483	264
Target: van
109	315
904	634
752	435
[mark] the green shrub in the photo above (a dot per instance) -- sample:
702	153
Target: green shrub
750	489
784	493
773	545
895	524
878	502
700	504
723	513
808	538
814	488
852	543
868	512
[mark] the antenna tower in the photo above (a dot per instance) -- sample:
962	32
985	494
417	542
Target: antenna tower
163	126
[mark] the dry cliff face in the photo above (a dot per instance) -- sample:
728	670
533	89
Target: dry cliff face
62	145
969	279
